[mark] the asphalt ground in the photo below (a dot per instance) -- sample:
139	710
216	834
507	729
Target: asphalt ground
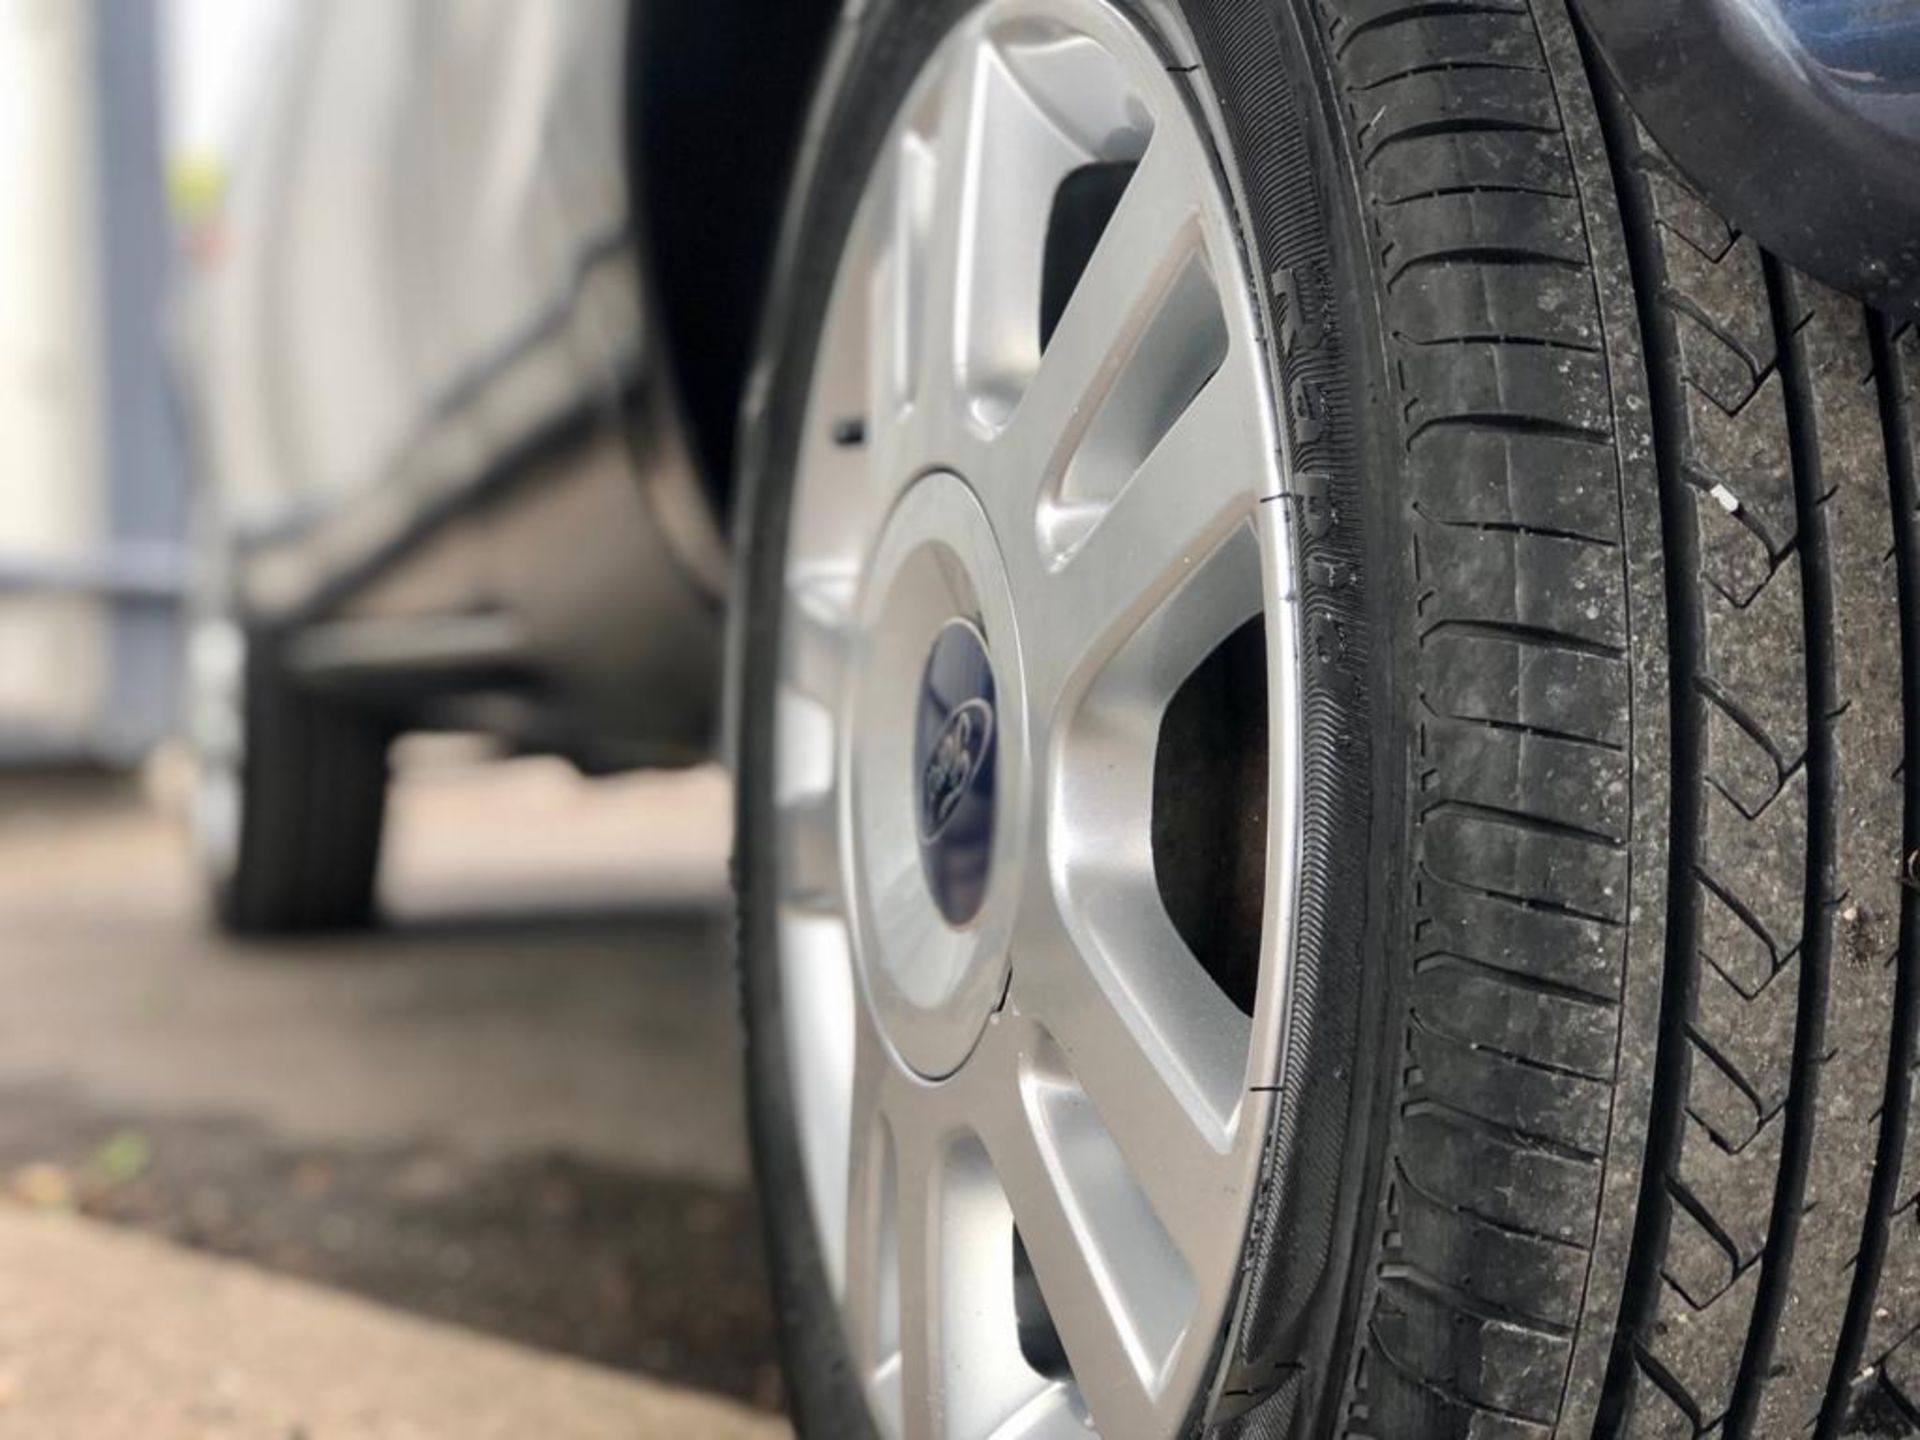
514	1107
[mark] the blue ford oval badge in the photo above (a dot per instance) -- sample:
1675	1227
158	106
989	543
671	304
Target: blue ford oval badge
953	753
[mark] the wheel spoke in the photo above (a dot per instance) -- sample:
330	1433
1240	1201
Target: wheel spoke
1153	231
871	1294
959	1369
1001	156
1095	1308
805	763
848	418
1203	478
817	987
817	634
804	756
1160	1059
897	307
1050	1415
923	1411
952	222
809	857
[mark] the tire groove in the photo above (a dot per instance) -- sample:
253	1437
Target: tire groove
1664	1380
1903	492
1425	1282
1783	1229
1487	339
1480	1217
1522	902
1418	11
1684	1197
1828	354
1420	1024
1449	1397
1427	1107
1533	823
1483	254
1518	727
1516	979
1538	636
1513	527
1441	192
1477	125
1631	1359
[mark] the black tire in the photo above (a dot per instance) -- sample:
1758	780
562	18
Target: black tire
1767	1298
313	796
1599	1117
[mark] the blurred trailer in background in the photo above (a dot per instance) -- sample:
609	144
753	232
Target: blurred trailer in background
93	508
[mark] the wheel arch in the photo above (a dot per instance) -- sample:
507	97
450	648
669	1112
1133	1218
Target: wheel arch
716	93
1739	93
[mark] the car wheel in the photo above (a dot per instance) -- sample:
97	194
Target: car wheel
1323	762
290	790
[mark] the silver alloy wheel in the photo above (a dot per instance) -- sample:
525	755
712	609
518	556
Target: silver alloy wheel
1041	1052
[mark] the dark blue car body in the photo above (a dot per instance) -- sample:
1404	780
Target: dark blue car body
1800	119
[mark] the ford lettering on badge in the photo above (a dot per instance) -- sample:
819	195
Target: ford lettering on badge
953	769
953	764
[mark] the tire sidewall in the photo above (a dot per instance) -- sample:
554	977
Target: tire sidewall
1265	84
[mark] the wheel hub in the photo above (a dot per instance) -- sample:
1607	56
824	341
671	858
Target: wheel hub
939	771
